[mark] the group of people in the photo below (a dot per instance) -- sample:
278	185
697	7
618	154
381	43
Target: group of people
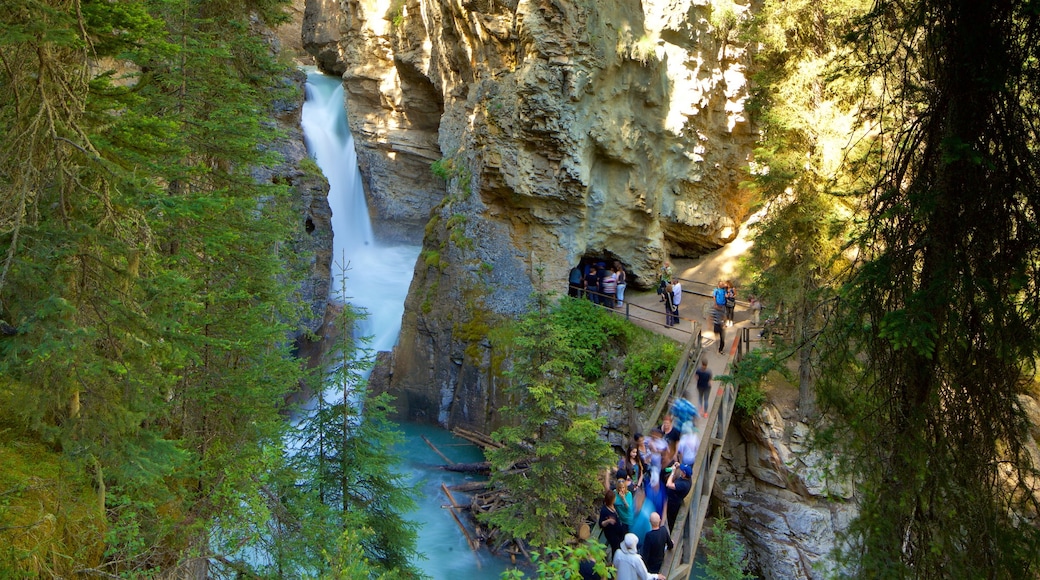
644	494
601	284
725	299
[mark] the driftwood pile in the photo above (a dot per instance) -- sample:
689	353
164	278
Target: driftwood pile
484	500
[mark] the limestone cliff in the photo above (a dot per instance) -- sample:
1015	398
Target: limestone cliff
561	129
783	497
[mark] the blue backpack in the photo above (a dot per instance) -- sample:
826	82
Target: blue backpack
682	412
720	297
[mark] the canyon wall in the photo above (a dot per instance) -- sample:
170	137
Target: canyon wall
783	495
556	130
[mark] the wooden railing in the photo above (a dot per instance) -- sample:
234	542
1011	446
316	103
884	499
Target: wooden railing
686	529
684	370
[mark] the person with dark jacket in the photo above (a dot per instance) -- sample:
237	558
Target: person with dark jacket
655	543
610	522
677	488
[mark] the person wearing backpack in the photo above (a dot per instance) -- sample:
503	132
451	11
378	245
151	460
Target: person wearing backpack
719	295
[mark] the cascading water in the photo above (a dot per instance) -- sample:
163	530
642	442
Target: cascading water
377	280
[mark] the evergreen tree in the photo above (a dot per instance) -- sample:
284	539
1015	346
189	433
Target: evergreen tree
724	554
344	462
144	300
939	334
552	456
808	140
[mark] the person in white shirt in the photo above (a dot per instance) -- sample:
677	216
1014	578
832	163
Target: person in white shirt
629	563
676	299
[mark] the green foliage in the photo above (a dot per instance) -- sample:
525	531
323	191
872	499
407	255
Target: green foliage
935	336
432	258
806	163
650	361
748	376
348	561
395	14
564	562
457	231
725	555
723	15
552	456
50	515
591	331
446	168
750	400
344	464
143	266
642	48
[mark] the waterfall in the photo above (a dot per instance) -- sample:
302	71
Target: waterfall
377	281
377	277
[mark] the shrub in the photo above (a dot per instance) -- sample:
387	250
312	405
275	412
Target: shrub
650	361
748	375
592	331
725	555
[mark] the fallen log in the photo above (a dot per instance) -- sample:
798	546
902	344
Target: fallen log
478	467
473	544
479	439
451	498
435	450
470	486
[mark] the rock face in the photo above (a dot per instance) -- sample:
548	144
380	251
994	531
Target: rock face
561	129
310	253
778	492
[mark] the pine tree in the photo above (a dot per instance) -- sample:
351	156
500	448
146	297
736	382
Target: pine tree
724	554
553	455
344	464
141	281
807	146
938	337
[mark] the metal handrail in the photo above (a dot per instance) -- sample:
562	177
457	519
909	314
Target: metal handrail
629	316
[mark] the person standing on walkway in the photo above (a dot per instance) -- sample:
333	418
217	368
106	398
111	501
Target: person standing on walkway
719	296
574	283
703	386
678	487
655	543
676	299
608	286
592	284
719	327
667	297
610	520
622	283
731	301
629	563
756	310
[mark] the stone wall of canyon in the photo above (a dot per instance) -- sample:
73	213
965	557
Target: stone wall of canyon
561	129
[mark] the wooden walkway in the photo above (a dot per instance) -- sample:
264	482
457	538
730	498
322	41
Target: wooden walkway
686	531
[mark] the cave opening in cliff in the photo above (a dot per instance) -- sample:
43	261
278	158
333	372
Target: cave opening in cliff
607	260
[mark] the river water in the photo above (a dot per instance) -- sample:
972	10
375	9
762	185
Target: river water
368	265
